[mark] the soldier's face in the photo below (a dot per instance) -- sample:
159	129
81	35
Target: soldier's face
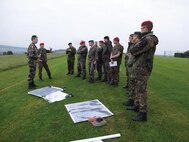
144	29
135	39
35	40
105	40
130	38
91	44
100	43
41	46
116	42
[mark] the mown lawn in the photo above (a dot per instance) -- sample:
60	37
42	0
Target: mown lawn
25	118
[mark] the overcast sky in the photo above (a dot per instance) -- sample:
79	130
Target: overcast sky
57	22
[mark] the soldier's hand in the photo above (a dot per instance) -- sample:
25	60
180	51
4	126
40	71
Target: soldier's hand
94	62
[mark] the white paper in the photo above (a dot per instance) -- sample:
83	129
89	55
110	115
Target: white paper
113	64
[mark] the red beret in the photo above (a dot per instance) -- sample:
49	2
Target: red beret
147	23
82	42
116	39
41	43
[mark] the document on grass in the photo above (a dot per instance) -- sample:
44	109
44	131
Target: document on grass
51	94
113	64
81	111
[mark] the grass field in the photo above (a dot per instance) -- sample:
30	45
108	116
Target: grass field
25	118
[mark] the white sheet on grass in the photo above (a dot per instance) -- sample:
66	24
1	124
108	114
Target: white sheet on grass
80	112
51	94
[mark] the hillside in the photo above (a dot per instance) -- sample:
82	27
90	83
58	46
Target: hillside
15	50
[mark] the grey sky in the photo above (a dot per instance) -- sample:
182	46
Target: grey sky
57	22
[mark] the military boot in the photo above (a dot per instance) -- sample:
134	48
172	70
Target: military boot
142	116
30	86
130	102
133	108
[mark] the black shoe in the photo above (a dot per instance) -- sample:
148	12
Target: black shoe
40	79
142	116
98	78
91	81
50	77
111	82
68	73
77	75
130	102
83	78
133	108
30	86
126	86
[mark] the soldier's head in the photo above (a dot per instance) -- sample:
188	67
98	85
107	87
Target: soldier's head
70	44
106	39
34	39
146	26
91	43
116	40
136	37
101	43
82	43
131	38
42	45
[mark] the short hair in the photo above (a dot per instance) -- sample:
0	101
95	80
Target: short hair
107	37
33	37
69	43
139	34
131	35
149	27
92	41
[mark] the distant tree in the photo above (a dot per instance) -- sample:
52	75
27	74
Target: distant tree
4	53
9	53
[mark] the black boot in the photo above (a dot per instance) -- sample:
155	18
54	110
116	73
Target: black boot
133	108
40	79
78	75
126	86
68	73
142	116
84	77
130	102
50	77
30	86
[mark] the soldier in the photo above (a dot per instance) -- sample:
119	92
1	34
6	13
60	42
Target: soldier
92	60
32	54
131	71
126	58
71	51
116	53
42	61
144	54
99	59
106	58
82	54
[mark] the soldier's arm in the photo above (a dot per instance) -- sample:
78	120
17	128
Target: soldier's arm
142	48
83	51
48	51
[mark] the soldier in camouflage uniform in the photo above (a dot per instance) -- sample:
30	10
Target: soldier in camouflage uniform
106	58
144	53
71	51
42	61
32	55
126	58
131	71
92	60
116	53
99	59
82	54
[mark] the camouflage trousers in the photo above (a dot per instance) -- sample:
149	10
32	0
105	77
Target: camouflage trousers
141	93
81	67
32	70
91	71
70	62
114	71
99	69
106	68
42	64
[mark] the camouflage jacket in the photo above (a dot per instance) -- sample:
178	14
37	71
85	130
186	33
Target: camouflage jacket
128	51
82	52
99	54
71	52
92	54
107	51
144	53
115	50
43	54
32	52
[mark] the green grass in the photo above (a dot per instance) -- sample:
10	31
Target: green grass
12	61
25	118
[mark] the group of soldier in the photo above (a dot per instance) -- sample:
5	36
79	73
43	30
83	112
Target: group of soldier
106	59
99	58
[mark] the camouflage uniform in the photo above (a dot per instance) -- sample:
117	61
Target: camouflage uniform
99	62
91	60
71	51
32	54
106	59
81	66
114	71
144	53
42	62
